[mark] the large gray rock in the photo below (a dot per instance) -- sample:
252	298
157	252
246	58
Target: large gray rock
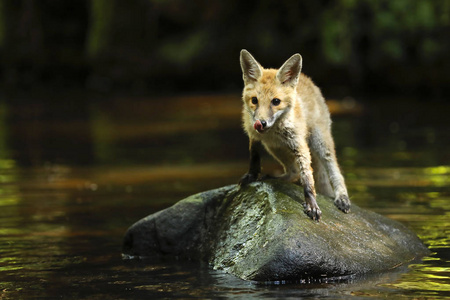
261	233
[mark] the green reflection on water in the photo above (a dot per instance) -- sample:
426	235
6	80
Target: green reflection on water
439	175
424	278
439	170
420	198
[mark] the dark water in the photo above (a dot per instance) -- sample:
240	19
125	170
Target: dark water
76	172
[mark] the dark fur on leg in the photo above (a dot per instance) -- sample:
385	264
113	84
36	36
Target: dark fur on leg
311	208
255	164
248	178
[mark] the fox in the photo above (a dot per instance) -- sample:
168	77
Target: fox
285	113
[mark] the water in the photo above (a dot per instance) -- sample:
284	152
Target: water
76	172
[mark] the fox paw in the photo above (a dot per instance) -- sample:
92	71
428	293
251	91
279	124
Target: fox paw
343	203
313	212
248	178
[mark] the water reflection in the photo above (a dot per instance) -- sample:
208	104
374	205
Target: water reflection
72	182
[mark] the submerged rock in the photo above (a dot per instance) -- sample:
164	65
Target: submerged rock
260	232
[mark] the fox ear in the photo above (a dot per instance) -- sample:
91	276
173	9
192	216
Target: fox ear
290	70
251	69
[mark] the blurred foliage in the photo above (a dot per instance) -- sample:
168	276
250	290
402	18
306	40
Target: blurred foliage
102	14
145	46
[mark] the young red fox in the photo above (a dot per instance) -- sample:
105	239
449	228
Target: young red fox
286	113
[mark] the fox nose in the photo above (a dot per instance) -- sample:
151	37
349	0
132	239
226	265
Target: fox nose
263	123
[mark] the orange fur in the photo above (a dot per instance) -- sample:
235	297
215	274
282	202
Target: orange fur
297	125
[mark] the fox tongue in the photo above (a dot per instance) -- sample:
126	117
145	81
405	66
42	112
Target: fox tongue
258	126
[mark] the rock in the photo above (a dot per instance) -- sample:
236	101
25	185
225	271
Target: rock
260	232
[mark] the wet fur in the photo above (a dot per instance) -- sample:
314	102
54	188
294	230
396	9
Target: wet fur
298	132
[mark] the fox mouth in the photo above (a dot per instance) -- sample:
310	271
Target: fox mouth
260	127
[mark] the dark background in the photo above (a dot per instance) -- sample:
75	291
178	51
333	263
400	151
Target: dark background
152	47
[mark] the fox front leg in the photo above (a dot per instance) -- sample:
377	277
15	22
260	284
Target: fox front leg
323	145
255	164
303	159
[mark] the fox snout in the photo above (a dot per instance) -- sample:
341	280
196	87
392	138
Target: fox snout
260	125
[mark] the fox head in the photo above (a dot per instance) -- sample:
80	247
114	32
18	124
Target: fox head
268	93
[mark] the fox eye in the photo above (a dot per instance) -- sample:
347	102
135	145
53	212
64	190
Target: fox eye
276	101
254	100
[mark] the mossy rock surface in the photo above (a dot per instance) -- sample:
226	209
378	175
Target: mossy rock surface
261	233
